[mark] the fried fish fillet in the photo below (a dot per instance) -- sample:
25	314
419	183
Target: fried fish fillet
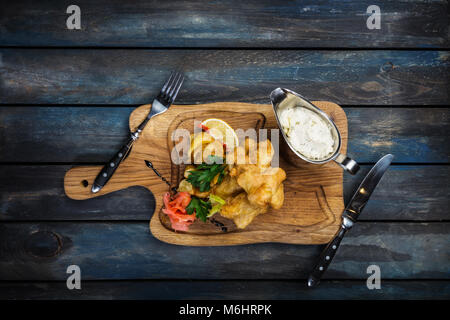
241	211
263	185
229	187
259	180
186	186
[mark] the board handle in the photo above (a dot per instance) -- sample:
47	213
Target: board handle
78	181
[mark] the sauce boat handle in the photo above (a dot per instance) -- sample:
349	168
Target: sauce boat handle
347	163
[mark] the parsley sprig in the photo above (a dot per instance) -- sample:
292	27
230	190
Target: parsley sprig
200	207
202	176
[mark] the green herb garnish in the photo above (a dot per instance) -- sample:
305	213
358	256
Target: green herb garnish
200	207
202	176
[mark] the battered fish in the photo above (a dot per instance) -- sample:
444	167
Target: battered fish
241	211
263	185
228	188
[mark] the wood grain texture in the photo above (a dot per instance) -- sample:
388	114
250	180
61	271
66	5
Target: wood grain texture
313	194
36	193
120	259
93	134
269	23
230	290
134	76
127	250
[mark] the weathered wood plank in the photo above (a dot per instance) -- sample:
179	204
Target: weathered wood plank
35	193
406	193
96	76
269	23
412	135
42	251
230	290
87	134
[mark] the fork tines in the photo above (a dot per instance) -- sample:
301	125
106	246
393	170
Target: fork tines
171	87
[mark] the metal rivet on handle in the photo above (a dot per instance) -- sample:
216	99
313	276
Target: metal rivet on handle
327	257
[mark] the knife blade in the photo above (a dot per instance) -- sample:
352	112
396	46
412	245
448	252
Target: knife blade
350	216
160	105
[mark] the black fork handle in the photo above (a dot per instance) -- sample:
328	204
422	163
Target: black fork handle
111	166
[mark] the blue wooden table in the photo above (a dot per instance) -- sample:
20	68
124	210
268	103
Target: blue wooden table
65	98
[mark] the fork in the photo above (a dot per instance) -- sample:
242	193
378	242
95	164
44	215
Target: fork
160	105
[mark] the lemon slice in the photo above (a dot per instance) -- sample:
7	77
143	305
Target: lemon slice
220	130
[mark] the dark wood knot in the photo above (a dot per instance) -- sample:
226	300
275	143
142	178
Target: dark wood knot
386	67
43	244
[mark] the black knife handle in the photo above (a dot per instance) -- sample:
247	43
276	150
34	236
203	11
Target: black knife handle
325	258
111	166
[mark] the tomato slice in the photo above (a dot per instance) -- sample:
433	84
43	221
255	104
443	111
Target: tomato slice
203	127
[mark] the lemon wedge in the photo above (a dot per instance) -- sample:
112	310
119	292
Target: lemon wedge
199	139
220	130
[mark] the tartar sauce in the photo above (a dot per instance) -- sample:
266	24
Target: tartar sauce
307	132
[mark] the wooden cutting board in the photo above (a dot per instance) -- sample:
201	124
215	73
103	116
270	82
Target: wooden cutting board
313	194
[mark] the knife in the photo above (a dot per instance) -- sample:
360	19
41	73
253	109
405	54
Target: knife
160	105
350	216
